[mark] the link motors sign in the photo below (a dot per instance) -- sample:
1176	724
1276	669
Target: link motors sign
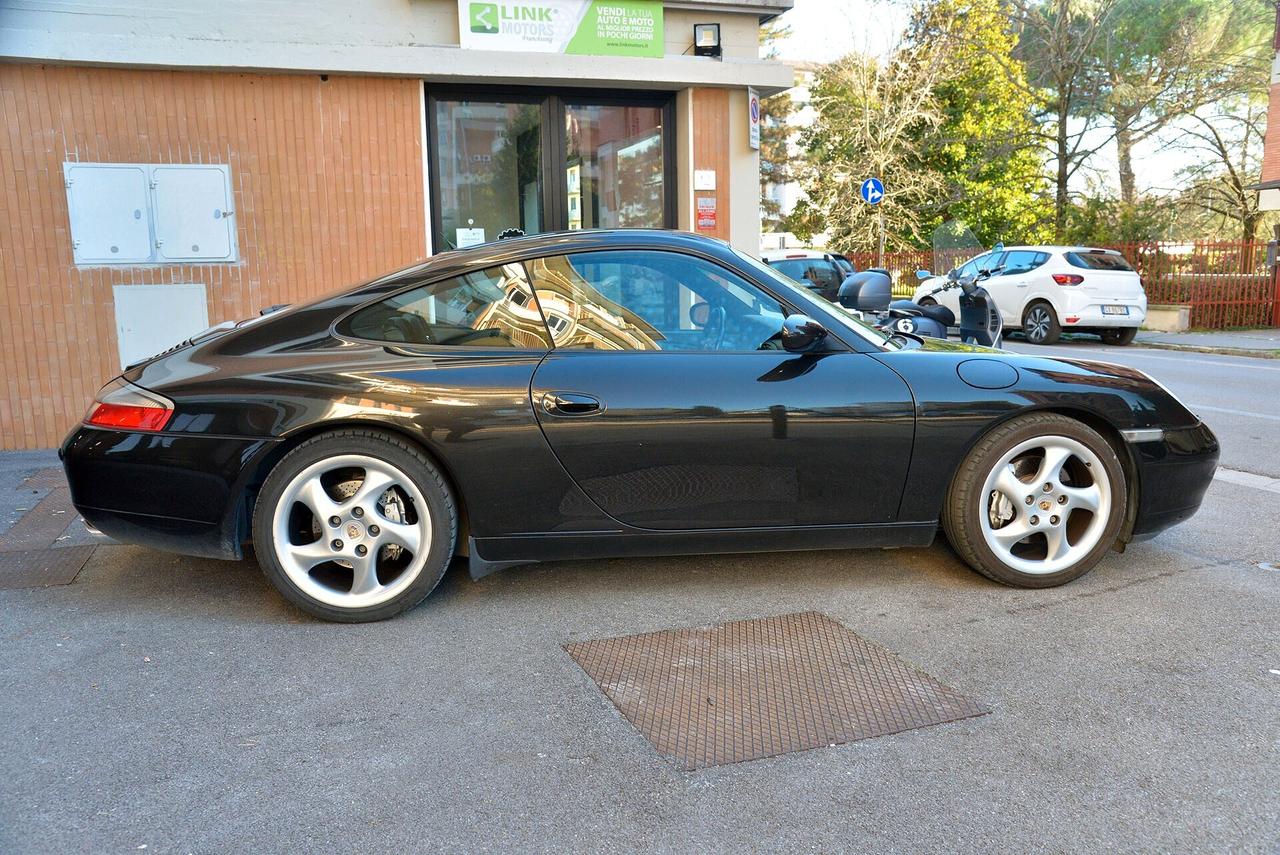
596	27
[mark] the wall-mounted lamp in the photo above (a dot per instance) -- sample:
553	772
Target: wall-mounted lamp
706	40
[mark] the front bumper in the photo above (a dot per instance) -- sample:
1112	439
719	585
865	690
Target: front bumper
1174	471
180	493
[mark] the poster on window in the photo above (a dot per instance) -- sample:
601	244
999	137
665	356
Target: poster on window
595	27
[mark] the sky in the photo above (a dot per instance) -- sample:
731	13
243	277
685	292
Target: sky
824	30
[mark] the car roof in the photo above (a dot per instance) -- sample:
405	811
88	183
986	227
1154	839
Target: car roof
1055	248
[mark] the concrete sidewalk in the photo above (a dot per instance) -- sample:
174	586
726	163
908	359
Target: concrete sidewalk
1264	342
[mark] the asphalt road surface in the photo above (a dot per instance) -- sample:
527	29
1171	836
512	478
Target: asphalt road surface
181	705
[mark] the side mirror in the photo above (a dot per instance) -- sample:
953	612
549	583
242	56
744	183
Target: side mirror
999	247
922	275
801	333
953	274
700	313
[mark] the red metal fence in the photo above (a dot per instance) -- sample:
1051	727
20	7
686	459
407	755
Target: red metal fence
1226	283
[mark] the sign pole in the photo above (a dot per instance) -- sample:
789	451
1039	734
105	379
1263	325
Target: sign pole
880	248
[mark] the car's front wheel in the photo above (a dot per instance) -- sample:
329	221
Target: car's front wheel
1040	324
1120	336
1037	503
354	525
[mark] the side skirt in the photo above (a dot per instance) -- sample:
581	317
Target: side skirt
490	554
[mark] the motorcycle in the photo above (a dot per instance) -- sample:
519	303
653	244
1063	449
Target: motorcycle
870	293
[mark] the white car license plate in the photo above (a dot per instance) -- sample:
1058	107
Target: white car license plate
1115	310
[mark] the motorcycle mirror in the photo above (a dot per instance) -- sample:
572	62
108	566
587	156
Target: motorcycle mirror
922	275
801	333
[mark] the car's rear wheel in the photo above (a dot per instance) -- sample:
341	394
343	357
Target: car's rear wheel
1037	503
1120	336
354	525
1040	324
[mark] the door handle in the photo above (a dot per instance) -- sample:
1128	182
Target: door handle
570	404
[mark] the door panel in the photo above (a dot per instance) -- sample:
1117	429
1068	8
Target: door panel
728	440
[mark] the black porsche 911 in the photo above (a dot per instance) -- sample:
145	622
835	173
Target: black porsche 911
615	393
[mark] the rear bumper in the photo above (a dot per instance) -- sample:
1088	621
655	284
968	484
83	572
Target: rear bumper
167	491
1173	474
1083	310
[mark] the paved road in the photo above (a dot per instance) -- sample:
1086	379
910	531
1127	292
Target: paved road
1238	396
179	704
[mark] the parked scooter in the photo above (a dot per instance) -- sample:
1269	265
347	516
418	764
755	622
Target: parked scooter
870	294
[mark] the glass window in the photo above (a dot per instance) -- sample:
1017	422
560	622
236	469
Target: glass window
973	265
816	274
485	308
490	162
1097	260
652	300
613	167
1022	261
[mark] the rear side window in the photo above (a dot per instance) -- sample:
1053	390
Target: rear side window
1098	261
484	308
1022	261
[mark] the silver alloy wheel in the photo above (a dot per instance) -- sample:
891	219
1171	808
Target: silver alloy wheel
1036	520
1036	326
364	531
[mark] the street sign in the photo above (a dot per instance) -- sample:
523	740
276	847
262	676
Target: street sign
753	118
872	191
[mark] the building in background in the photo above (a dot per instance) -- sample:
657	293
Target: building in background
170	168
1269	186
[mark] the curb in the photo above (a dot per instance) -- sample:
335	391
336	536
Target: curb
1201	348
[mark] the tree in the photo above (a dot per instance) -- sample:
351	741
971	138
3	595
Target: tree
1163	59
1227	139
776	133
1058	42
984	145
871	118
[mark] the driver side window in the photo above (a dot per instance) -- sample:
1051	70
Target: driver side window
651	300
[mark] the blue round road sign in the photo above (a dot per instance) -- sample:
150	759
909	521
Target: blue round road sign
872	191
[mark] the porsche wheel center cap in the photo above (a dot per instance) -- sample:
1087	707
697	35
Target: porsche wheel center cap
355	531
1045	505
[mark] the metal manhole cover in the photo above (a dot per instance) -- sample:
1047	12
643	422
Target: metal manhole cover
38	568
758	688
46	479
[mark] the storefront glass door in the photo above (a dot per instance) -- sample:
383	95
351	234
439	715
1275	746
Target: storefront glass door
545	162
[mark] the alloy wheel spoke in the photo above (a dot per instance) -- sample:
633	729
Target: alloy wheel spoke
1084	498
1012	533
364	570
1055	457
400	534
1008	484
313	495
1057	541
308	555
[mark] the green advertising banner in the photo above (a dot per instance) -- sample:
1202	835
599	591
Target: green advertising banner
594	27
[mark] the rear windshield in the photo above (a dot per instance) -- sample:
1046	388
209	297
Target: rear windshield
1097	261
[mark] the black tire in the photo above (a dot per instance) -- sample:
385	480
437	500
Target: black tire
395	451
1119	336
965	504
1040	323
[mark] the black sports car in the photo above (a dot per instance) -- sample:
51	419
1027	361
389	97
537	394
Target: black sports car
615	393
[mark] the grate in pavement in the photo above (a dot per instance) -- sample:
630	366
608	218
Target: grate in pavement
38	568
758	688
46	479
40	526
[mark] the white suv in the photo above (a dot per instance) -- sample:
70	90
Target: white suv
1044	290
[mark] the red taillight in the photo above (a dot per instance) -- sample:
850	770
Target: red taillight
122	406
1067	278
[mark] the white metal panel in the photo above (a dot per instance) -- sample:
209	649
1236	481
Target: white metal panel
110	217
193	212
153	318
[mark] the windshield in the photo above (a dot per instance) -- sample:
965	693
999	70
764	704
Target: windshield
786	286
